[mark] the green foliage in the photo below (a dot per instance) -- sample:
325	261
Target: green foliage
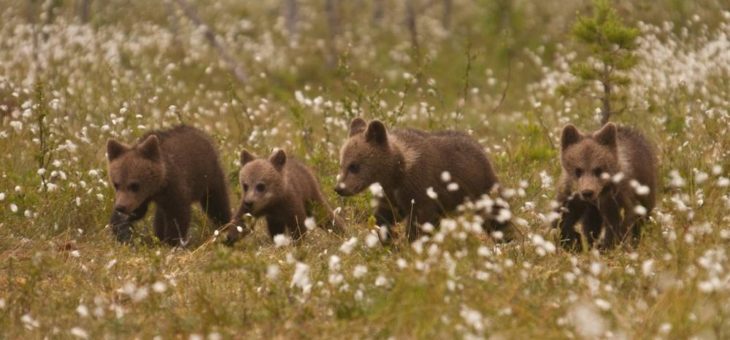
611	46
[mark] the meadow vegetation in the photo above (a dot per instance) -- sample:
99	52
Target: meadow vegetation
493	68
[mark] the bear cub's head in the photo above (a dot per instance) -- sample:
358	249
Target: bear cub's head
589	160
137	172
365	157
262	181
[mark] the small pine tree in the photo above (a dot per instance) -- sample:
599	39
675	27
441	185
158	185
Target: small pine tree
611	45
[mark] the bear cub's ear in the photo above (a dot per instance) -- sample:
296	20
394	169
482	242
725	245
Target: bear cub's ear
606	135
357	125
115	149
278	159
570	136
376	133
246	157
150	148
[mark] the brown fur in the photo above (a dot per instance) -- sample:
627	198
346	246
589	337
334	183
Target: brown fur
174	169
406	163
599	203
285	192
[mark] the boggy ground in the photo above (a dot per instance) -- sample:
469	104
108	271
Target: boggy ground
141	65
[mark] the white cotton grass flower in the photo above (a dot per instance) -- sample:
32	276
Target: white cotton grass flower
717	170
16	125
647	268
602	304
587	320
79	333
376	189
272	272
371	240
665	328
542	246
639	189
596	268
723	182
300	279
359	271
700	176
431	193
427	227
82	311
29	322
2	196
508	193
336	278
309	223
503	216
446	177
473	318
640	210
140	294
159	287
676	180
383	233
453	186
334	263
348	245
546	181
110	264
618	177
381	281
13	208
282	240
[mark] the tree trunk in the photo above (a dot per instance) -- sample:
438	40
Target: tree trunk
606	99
85	11
331	8
412	24
378	11
290	9
446	18
228	59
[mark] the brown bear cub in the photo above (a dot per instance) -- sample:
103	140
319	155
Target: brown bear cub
283	191
423	175
608	183
173	169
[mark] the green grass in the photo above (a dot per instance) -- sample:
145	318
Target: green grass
62	275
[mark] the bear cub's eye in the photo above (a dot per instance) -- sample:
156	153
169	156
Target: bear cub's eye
134	187
597	172
245	187
116	186
578	172
261	187
353	168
